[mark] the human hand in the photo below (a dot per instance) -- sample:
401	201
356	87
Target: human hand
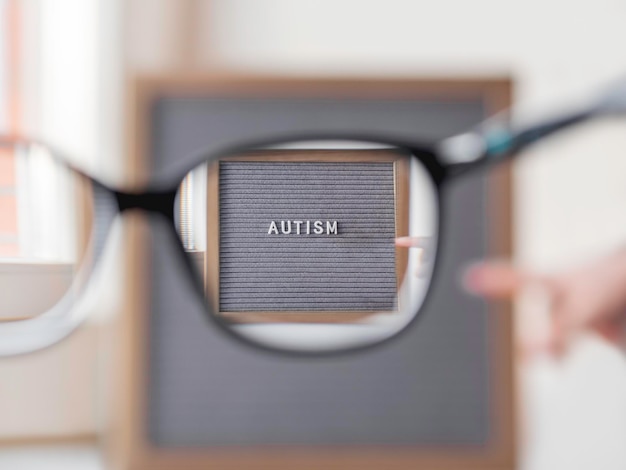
591	297
425	256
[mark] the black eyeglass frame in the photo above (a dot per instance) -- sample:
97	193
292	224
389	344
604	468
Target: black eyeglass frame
495	140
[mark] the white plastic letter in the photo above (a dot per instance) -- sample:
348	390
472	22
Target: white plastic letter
331	228
282	227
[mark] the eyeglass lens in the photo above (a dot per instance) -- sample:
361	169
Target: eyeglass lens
312	245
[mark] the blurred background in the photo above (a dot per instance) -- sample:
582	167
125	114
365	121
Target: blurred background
64	66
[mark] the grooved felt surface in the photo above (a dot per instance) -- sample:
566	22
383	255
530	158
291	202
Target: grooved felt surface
351	270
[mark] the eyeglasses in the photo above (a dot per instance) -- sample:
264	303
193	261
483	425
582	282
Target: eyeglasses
311	244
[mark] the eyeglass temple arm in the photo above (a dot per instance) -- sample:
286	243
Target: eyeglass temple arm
498	138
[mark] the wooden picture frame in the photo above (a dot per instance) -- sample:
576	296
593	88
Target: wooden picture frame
212	263
130	446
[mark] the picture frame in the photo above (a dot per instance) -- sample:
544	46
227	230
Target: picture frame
130	444
212	260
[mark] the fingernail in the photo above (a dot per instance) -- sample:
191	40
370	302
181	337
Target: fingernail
405	241
472	279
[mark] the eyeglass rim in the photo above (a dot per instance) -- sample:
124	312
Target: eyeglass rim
492	141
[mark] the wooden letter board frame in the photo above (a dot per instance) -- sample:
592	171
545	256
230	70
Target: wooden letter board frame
211	266
129	445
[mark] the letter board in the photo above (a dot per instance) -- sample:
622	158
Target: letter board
301	235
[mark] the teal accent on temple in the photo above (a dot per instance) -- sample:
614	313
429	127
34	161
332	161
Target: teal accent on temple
499	141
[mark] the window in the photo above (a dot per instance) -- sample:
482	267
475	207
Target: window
45	211
37	195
